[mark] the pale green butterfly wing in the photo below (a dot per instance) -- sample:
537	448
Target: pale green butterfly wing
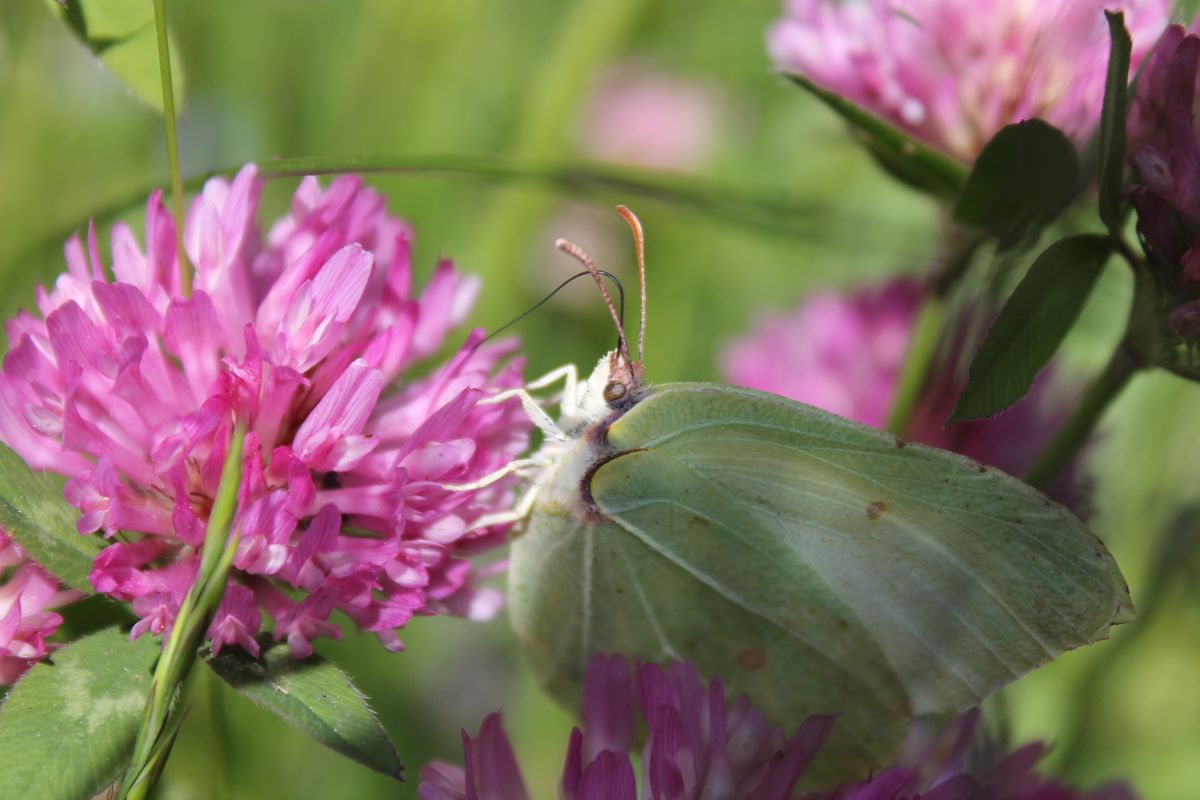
577	588
813	563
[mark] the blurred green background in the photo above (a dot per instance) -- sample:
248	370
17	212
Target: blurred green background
267	79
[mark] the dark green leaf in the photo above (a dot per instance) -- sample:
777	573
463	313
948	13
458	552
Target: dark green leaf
315	697
34	513
1023	177
91	614
1112	121
67	727
904	157
1033	322
121	34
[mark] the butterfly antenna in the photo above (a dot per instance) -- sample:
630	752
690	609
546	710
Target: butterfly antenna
639	242
576	252
557	289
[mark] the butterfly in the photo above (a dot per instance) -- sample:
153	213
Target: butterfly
815	564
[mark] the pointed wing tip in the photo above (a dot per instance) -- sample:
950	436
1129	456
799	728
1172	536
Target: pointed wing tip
1125	612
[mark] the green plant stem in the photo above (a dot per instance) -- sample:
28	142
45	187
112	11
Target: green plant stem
926	335
772	214
179	651
958	248
1071	436
168	92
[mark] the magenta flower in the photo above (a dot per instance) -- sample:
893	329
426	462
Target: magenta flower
841	353
652	120
131	390
1164	146
1165	152
700	748
953	72
27	595
491	769
697	745
844	353
957	762
1153	110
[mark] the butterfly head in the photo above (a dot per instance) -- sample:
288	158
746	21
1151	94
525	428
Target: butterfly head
614	386
622	380
617	382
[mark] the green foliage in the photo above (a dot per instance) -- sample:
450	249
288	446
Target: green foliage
67	727
121	34
812	562
904	157
1032	324
33	512
1112	122
1022	179
313	696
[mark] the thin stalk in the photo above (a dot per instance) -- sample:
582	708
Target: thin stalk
1071	436
959	246
168	94
771	213
179	651
927	333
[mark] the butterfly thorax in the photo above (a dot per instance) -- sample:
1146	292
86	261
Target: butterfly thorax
613	388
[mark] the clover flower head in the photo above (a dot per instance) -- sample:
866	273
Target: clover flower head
698	745
953	72
312	337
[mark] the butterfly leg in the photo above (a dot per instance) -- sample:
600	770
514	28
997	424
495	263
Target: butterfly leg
537	415
569	375
516	466
517	513
566	373
569	401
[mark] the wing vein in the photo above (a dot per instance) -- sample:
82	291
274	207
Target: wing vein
651	617
585	633
1035	542
900	619
742	604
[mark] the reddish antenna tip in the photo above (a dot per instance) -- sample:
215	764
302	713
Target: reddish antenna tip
639	242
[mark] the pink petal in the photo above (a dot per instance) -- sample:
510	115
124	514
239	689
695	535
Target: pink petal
609	777
492	770
328	439
608	708
236	621
192	332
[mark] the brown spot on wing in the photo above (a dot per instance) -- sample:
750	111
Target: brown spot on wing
876	509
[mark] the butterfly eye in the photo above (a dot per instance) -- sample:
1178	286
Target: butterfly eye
614	391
